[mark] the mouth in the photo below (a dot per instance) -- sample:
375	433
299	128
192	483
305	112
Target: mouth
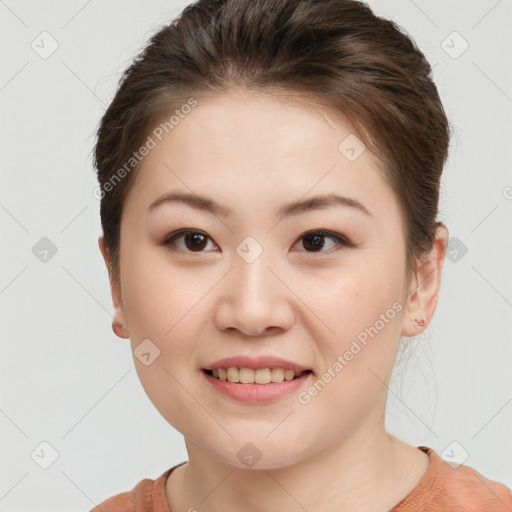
254	376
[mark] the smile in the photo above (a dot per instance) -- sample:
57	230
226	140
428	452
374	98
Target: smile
251	376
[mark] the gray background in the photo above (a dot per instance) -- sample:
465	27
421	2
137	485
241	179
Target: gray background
67	380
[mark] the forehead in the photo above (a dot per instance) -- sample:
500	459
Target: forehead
253	150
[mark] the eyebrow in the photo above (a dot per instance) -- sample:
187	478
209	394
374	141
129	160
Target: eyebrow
293	208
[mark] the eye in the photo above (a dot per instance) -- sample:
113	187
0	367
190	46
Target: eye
314	241
195	241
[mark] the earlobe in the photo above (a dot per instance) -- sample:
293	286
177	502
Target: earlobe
413	320
120	330
422	301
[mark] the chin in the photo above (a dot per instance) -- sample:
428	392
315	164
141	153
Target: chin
259	453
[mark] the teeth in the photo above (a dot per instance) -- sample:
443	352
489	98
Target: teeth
277	375
262	376
233	375
289	374
246	375
250	376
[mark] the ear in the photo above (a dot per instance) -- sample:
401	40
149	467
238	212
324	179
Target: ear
421	304
115	289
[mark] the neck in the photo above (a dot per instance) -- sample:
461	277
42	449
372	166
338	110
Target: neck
371	472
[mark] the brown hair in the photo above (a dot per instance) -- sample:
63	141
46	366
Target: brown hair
338	53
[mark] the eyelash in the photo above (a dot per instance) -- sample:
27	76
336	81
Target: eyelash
339	239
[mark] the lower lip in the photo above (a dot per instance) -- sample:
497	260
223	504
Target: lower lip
256	393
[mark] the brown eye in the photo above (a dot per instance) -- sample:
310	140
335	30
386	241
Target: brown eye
190	240
194	241
314	241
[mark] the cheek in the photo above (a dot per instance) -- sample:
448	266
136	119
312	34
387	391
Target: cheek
363	312
167	305
155	295
158	308
350	300
359	358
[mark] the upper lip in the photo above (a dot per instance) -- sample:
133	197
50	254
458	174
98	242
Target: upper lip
256	363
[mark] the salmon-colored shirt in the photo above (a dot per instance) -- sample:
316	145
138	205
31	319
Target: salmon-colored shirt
442	489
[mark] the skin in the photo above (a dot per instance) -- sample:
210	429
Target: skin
291	302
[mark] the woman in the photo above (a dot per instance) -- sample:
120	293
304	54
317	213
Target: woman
269	178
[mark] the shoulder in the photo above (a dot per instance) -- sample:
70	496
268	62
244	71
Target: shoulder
476	492
128	501
456	488
147	496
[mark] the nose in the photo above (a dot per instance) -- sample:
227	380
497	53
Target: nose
253	299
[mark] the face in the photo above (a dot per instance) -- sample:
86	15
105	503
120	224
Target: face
319	286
